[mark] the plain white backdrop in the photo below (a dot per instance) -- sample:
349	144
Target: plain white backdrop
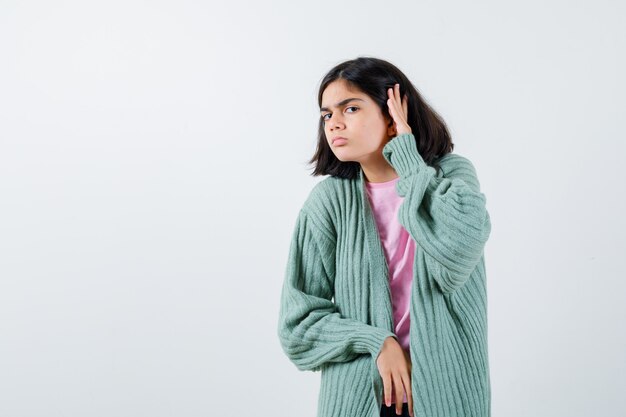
153	161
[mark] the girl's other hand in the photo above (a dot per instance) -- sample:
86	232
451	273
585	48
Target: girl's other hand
394	366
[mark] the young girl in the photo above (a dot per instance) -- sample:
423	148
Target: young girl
385	286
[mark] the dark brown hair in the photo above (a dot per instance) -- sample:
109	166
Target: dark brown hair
374	77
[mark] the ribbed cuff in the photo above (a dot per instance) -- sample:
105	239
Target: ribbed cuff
372	341
402	154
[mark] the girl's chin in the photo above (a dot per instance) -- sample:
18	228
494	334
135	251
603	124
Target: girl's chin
343	158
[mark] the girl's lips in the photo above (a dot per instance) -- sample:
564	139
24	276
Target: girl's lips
338	142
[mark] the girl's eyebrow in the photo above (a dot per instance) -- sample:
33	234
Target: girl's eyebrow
341	103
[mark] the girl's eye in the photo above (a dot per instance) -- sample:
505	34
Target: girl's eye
328	114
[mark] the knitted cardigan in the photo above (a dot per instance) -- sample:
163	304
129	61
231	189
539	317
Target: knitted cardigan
335	305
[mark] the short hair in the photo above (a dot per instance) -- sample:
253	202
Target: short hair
374	76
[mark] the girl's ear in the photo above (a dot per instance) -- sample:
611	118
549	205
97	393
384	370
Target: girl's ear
391	129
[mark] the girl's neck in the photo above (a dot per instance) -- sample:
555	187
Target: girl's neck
379	172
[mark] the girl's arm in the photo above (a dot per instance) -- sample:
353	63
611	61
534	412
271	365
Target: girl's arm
446	216
311	330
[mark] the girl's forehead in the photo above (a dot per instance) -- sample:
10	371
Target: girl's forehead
338	94
342	85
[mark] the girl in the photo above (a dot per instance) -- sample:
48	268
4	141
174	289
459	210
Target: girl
385	285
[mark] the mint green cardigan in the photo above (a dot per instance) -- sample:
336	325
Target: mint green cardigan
335	305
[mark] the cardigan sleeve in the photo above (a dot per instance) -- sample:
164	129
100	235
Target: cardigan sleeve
447	215
311	330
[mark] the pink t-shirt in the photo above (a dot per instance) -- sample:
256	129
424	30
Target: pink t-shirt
399	249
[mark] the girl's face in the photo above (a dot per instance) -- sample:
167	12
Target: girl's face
352	115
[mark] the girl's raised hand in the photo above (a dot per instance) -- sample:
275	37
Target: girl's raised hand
398	109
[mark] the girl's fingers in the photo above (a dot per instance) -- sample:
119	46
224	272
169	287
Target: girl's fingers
392	109
393	95
387	390
398	107
399	394
393	105
405	104
409	395
396	104
392	99
401	102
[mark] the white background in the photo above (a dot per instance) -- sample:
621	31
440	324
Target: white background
153	161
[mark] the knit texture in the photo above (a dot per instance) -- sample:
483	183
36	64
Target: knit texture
335	305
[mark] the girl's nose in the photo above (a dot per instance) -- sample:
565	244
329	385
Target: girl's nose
335	122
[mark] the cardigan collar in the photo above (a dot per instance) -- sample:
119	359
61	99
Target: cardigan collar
380	290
